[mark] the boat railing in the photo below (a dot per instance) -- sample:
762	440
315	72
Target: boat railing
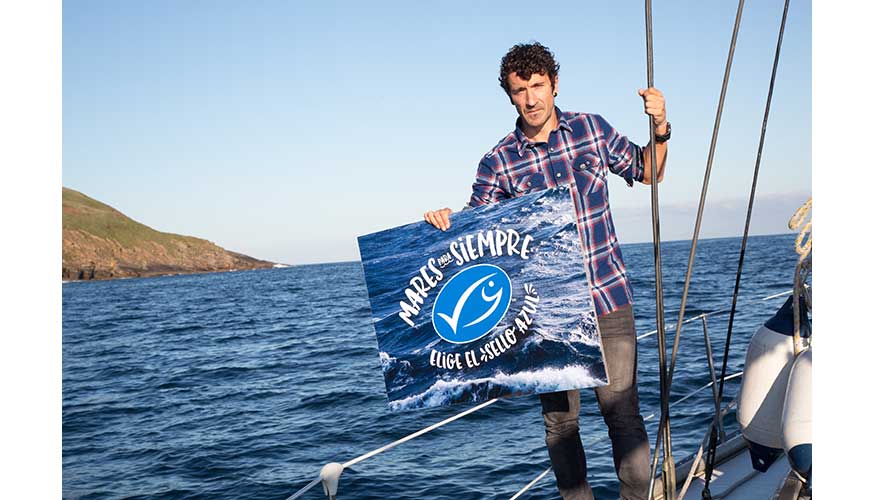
329	476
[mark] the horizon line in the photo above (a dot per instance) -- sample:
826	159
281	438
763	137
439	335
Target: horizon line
789	232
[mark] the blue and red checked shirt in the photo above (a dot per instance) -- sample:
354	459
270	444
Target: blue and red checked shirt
587	147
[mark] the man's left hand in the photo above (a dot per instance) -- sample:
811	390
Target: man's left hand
654	105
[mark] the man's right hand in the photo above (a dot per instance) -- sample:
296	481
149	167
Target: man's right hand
439	218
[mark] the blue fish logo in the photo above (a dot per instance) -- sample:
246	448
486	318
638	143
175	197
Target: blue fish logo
471	303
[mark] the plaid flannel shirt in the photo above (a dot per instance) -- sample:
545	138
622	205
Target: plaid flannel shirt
587	147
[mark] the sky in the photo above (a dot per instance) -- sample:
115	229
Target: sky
284	130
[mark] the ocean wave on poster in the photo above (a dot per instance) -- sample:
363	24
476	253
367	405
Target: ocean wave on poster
557	267
577	337
431	344
444	392
389	361
400	370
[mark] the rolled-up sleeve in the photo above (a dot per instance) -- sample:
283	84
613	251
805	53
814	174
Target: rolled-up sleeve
625	158
487	185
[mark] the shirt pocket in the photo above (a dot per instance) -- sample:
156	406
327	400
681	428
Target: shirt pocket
589	176
528	183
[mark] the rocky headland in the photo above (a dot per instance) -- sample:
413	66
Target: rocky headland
99	242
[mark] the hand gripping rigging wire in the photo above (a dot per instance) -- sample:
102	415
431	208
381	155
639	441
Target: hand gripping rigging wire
668	475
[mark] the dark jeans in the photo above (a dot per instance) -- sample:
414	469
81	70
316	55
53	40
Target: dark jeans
618	402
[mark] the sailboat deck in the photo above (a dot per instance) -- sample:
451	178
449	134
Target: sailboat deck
734	477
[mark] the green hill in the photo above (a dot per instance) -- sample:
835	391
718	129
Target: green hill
99	242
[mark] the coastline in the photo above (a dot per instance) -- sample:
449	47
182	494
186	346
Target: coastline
178	273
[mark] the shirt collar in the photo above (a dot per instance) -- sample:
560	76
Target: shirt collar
523	142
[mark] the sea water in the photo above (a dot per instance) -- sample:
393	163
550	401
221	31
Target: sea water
243	384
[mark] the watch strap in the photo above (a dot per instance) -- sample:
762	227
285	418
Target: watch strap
664	137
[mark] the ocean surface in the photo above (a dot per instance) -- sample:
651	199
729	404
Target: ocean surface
243	384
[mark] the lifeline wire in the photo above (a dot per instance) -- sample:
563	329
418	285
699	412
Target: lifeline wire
712	445
393	444
667	460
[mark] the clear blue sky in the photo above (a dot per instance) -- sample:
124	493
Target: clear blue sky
284	130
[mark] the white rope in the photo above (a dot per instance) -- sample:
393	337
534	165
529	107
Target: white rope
689	480
795	221
803	269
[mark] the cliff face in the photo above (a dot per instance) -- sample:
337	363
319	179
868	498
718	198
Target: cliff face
99	242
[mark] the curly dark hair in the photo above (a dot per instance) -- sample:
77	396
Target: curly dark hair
526	59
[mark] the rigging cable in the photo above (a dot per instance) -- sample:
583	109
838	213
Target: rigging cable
712	445
664	425
668	476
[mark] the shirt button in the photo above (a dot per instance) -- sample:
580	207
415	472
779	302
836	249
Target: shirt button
558	174
529	183
551	150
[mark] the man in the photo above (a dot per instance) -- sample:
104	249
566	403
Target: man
547	147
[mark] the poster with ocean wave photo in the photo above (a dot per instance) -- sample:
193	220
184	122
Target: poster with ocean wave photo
498	305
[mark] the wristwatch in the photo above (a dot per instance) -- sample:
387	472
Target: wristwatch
666	136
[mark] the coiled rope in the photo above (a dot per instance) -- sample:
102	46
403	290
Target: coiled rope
803	269
801	213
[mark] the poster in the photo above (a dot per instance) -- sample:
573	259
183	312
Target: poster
499	305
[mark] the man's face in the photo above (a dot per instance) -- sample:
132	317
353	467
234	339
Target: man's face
532	98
